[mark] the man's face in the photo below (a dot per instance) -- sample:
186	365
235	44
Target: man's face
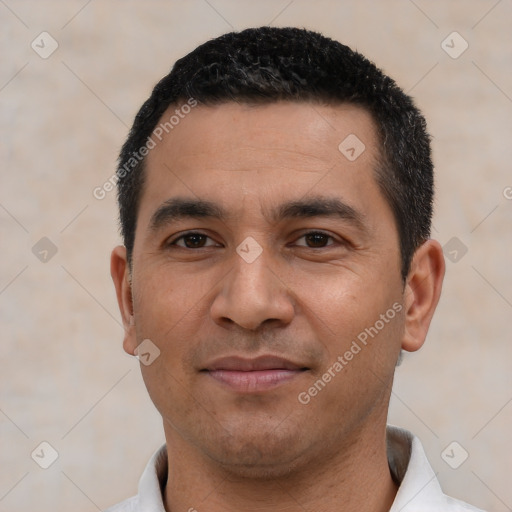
251	307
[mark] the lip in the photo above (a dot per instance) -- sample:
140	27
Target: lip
253	375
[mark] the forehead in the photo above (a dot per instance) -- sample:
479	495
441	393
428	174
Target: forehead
237	154
309	130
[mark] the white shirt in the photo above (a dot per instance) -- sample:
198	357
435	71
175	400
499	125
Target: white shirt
419	489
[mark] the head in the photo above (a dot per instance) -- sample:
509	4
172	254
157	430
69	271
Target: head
277	221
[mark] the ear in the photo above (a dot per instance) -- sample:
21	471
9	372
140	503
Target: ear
120	272
422	292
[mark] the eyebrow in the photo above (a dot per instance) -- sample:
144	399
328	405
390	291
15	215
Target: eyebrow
179	208
319	207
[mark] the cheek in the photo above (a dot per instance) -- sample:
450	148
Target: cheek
345	302
358	318
167	300
167	312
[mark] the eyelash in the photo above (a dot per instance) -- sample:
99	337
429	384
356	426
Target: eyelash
198	233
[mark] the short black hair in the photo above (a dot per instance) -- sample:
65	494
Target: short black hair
270	64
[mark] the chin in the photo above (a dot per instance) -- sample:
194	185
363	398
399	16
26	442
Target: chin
257	465
261	473
251	452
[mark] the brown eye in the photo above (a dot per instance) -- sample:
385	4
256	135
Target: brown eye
316	239
193	241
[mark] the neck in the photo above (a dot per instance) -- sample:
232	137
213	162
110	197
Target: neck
355	476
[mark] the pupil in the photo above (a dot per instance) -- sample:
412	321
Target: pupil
194	240
316	239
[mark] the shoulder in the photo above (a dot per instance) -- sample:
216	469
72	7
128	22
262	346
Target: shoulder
419	488
129	505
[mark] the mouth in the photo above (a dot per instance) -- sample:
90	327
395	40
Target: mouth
253	375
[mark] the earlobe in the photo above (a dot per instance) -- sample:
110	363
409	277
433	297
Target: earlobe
120	272
422	292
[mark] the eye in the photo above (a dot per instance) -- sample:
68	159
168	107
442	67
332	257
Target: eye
316	239
192	240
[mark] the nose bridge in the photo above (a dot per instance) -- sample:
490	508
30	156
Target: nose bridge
251	293
251	270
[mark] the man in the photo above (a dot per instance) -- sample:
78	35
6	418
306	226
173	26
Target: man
275	198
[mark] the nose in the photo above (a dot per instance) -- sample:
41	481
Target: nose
252	294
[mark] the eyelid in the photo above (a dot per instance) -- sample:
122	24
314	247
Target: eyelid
320	232
171	241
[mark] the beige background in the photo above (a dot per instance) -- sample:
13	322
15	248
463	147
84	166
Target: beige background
64	376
